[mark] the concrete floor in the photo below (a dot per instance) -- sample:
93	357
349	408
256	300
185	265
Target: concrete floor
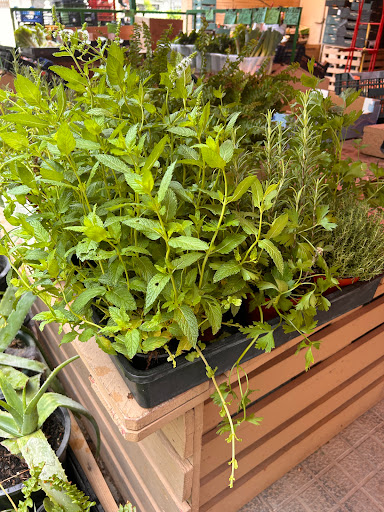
344	475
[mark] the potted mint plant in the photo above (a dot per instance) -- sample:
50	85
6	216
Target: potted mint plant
145	225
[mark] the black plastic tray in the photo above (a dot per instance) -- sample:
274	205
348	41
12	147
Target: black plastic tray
157	385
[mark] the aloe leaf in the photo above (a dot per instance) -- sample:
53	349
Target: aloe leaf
8	425
11	445
36	451
32	388
21	362
7	301
51	401
17	379
10	395
15	320
34	401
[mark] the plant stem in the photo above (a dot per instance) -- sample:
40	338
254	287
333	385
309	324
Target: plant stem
228	414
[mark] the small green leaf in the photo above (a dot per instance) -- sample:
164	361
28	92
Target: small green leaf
155	154
15	140
74	79
165	182
274	253
212	158
229	243
213	313
182	131
68	337
153	342
188	243
131	341
155	287
28	90
229	268
277	226
28	120
186	260
187	321
86	296
226	150
266	342
65	140
150	228
242	187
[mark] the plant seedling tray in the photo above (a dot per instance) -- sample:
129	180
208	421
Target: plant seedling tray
156	385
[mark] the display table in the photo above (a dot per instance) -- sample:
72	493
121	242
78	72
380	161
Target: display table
170	459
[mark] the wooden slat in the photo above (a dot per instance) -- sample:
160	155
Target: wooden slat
89	465
147	482
307	388
282	364
196	458
278	438
304	445
180	433
123	472
176	472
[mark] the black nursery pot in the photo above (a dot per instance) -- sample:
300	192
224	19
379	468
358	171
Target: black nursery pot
156	385
15	492
5	267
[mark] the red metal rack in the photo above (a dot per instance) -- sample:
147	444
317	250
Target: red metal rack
372	51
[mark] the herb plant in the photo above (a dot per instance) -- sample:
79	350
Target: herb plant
148	217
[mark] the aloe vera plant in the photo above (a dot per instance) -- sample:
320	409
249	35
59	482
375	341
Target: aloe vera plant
21	420
12	315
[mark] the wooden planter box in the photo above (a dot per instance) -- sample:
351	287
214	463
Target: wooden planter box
169	458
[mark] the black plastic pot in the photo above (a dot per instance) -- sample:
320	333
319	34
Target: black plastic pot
156	385
15	492
5	267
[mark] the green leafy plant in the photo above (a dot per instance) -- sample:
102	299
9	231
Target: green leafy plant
356	247
148	217
21	420
33	485
13	311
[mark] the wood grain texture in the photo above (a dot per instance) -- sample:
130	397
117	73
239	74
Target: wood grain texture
292	454
89	465
198	413
265	448
180	433
282	364
294	396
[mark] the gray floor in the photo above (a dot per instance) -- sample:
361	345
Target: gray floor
344	475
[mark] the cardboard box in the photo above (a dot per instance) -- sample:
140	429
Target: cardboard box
373	140
370	108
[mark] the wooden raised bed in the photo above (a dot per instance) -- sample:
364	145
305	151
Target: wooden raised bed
169	458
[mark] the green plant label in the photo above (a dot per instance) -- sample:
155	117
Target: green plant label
245	16
272	17
230	17
292	16
210	15
259	15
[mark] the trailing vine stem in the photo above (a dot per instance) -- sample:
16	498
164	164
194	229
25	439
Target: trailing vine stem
232	437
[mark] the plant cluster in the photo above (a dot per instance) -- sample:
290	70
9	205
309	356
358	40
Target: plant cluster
35	36
148	217
25	405
184	38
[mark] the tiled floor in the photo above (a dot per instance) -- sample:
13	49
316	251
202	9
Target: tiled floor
344	475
